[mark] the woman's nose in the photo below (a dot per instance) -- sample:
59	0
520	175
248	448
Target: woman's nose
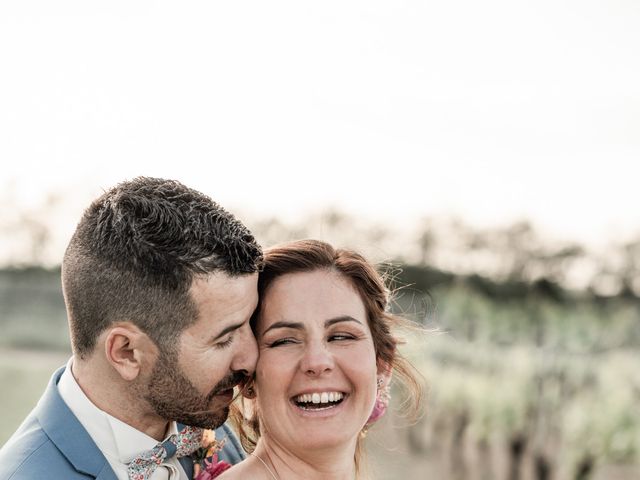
317	359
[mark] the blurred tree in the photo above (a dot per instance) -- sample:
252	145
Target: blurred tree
27	232
426	242
555	263
629	271
521	245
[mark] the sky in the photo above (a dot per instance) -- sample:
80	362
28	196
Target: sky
491	111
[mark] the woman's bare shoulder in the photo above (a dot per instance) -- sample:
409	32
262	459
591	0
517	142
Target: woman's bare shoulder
242	470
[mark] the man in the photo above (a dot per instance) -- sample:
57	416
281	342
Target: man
159	284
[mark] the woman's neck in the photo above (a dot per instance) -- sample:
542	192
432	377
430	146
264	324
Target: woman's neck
335	463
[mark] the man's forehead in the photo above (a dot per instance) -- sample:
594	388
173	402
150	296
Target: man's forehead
223	301
225	285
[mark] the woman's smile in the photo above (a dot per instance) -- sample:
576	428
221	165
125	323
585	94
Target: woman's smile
319	403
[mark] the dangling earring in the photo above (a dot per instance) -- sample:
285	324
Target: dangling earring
382	401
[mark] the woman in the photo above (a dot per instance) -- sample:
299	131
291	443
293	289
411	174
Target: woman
326	358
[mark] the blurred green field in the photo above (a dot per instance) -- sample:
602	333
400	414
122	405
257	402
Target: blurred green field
24	376
532	389
523	384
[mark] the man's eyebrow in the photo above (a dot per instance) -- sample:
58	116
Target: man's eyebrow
227	330
341	318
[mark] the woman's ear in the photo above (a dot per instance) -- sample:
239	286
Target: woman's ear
383	378
384	374
126	348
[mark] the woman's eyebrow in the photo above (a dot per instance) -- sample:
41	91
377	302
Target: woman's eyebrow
285	324
341	318
300	325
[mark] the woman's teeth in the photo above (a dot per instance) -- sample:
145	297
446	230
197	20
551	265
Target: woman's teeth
318	398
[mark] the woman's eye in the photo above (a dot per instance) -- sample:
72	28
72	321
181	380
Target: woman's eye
283	341
341	336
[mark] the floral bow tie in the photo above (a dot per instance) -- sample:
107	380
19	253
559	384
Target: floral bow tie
184	443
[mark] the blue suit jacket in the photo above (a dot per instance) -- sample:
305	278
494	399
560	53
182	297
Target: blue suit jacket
51	443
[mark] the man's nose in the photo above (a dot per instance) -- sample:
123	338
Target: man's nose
316	359
247	352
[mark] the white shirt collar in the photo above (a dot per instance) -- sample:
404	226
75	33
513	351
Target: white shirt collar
131	442
118	441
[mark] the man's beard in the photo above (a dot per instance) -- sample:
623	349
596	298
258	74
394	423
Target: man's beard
173	396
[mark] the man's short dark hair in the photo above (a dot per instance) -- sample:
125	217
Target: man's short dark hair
135	253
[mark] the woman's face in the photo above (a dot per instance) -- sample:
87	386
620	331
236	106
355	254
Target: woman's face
316	374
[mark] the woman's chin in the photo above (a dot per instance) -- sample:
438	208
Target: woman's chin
321	440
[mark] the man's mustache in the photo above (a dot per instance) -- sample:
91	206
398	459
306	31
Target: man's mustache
227	383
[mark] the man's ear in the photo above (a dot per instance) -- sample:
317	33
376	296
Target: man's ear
127	348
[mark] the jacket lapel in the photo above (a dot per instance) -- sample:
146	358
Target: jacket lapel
73	441
68	434
187	465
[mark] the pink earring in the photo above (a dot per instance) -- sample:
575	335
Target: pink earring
382	402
